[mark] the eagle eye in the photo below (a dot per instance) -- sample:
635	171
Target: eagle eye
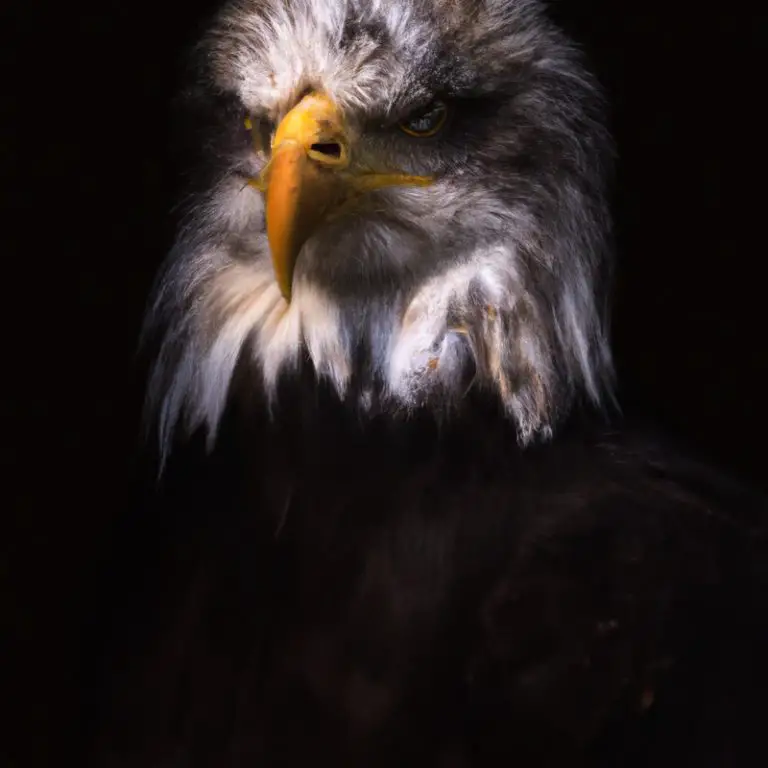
426	121
260	131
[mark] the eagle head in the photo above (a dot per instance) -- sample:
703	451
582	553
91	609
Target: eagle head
406	196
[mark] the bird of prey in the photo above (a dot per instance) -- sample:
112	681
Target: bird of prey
413	540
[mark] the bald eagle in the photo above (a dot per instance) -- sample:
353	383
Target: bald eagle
412	539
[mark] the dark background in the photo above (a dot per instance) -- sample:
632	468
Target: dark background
87	196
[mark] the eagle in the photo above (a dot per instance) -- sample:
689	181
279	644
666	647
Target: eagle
399	525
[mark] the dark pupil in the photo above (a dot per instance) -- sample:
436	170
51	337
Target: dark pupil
426	121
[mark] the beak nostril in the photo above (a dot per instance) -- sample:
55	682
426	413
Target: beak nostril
330	149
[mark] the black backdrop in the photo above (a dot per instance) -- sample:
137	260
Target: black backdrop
87	198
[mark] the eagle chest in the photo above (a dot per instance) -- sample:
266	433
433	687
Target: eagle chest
419	595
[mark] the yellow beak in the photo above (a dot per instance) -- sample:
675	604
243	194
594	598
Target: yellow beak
311	174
